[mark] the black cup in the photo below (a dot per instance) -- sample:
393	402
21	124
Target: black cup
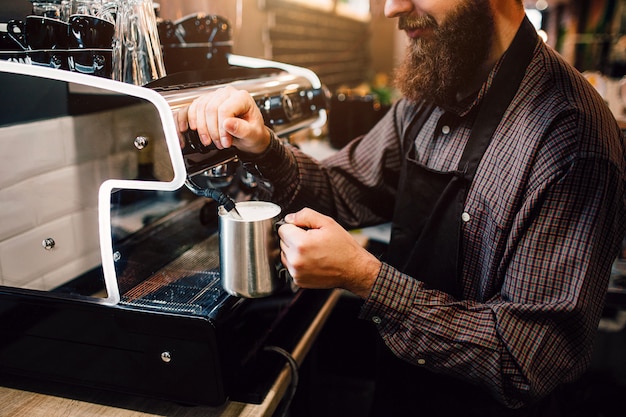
167	32
45	33
13	39
351	116
178	58
91	61
7	43
15	56
202	28
51	58
90	32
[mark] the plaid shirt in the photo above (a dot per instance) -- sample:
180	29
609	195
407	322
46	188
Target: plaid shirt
544	219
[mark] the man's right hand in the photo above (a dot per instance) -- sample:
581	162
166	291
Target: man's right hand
226	117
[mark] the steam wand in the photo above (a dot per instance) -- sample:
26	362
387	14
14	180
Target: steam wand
193	145
221	198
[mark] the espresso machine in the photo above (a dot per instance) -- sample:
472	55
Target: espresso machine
109	262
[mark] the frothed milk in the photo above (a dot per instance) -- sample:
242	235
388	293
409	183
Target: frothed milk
251	211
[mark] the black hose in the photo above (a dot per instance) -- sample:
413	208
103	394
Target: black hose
221	198
293	386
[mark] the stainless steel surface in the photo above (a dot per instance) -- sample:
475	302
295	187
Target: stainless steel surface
288	101
249	251
261	87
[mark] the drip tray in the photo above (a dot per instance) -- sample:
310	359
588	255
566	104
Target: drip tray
188	285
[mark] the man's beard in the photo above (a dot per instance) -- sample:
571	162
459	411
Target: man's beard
438	66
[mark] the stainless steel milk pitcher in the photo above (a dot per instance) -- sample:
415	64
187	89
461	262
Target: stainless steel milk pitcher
249	250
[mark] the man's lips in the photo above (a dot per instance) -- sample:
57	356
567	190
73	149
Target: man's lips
420	32
417	26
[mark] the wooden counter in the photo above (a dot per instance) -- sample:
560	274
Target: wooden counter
27	399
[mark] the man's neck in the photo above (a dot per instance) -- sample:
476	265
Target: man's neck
507	22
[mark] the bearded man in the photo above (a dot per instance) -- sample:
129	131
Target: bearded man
502	173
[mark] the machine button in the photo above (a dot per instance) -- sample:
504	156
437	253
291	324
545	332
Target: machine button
48	243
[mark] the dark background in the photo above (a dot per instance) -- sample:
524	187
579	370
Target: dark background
14	9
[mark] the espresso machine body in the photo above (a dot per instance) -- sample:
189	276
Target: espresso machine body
109	265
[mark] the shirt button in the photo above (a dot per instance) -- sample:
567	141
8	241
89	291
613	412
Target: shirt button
445	130
376	320
421	361
465	217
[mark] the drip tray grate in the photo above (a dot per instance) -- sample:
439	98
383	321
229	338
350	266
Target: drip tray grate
189	284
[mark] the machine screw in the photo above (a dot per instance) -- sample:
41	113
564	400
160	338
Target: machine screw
166	357
48	243
141	142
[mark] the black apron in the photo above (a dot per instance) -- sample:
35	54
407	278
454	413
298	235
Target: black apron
426	244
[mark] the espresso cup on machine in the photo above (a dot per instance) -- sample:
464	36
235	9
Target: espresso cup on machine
249	250
12	36
91	61
42	32
46	41
15	56
90	45
90	32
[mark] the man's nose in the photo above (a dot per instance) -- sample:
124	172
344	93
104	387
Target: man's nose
395	8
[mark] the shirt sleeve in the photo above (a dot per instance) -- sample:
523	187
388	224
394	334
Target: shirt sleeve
356	186
536	332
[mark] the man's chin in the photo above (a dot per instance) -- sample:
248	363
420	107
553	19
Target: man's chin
421	84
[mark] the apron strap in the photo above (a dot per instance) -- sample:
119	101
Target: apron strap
499	96
415	125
